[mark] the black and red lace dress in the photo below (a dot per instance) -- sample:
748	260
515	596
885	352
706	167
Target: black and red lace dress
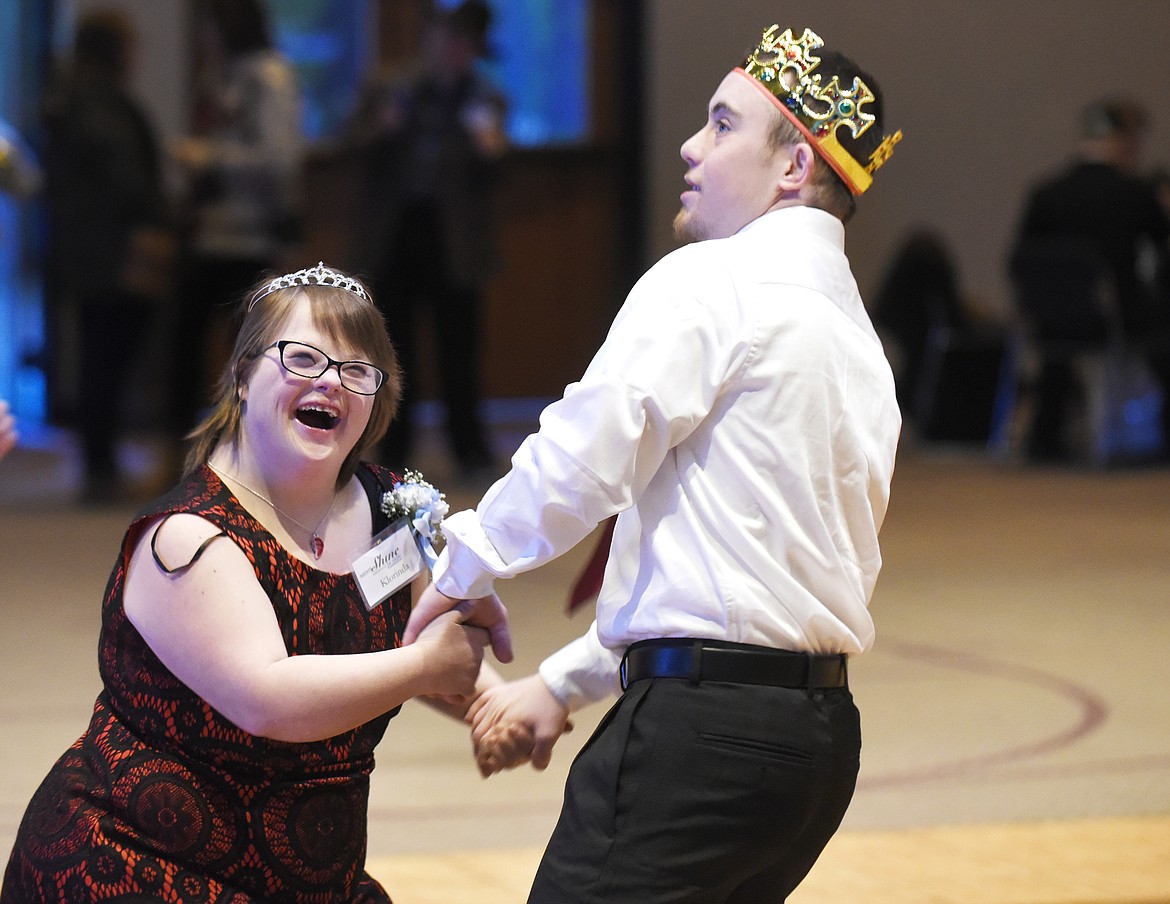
164	799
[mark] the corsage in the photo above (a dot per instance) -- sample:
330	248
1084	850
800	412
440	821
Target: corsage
423	506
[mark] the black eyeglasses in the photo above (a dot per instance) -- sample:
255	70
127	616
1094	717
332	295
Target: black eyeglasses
306	360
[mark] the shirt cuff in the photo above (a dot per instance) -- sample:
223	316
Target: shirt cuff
582	672
464	569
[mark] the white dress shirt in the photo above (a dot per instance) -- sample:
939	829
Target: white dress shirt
740	416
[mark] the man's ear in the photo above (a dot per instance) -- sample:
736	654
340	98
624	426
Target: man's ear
797	165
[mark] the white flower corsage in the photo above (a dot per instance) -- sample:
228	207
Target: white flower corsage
424	506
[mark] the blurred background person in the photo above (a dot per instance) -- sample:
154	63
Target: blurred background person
20	174
242	174
1156	267
21	177
1101	199
109	246
918	294
429	140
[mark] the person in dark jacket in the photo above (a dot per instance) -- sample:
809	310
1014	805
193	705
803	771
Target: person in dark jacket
108	236
430	139
1102	200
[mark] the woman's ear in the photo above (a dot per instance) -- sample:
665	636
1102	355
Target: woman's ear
241	375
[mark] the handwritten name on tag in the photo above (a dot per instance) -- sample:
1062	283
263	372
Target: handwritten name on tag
391	563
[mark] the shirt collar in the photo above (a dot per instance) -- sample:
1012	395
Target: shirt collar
801	218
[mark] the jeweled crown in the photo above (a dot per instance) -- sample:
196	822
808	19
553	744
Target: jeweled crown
319	275
784	66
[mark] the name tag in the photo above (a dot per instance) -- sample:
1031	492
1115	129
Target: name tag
392	562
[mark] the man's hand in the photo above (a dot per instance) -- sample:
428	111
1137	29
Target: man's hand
516	722
8	435
486	612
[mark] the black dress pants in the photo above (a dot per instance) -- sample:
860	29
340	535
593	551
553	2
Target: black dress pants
703	793
113	326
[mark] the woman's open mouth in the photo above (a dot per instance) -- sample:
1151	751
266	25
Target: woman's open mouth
318	418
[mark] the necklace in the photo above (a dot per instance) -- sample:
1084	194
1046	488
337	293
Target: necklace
316	543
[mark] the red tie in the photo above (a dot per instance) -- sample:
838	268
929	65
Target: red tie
588	583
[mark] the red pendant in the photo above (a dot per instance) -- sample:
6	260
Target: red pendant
318	546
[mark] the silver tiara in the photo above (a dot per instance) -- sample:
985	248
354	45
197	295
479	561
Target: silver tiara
311	276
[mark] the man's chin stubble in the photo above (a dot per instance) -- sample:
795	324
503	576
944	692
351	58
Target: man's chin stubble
683	230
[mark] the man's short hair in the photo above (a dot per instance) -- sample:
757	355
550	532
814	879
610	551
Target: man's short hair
830	192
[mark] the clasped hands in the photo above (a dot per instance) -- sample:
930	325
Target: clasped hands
512	722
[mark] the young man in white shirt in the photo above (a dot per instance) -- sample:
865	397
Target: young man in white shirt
740	421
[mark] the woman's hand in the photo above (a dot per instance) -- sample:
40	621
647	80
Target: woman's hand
452	653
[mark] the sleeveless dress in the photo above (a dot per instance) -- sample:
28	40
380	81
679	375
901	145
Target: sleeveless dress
164	799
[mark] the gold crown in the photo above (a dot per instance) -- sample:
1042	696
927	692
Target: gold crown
783	66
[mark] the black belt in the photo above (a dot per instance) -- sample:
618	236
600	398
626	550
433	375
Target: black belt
738	663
